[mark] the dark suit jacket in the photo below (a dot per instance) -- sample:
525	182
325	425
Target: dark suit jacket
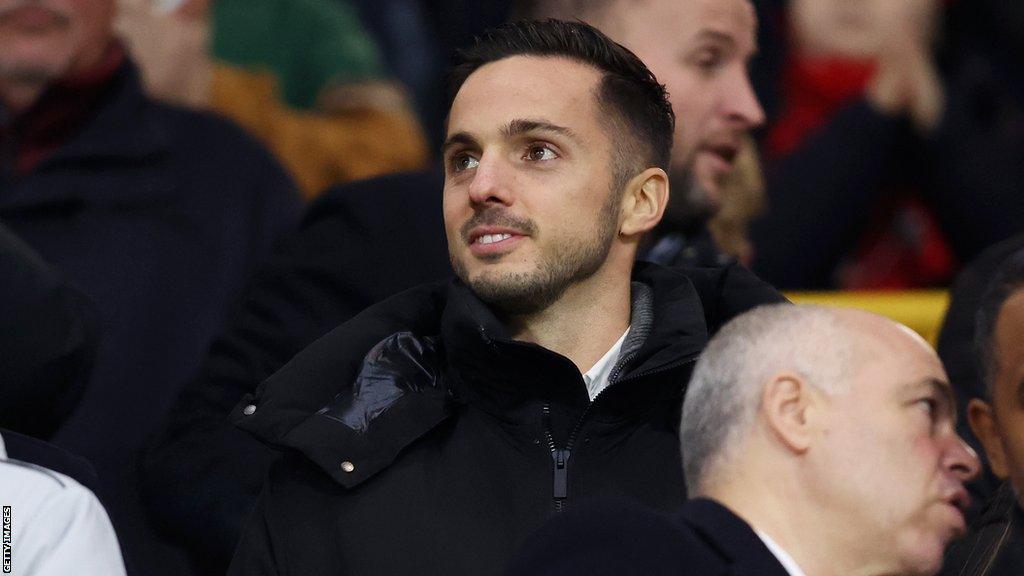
157	214
704	538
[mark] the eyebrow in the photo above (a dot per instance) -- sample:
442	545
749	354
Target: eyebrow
459	138
942	389
522	126
716	36
514	128
723	38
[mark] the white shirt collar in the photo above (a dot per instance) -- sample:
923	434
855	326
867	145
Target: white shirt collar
596	378
787	561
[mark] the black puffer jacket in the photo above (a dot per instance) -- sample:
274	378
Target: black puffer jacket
442	448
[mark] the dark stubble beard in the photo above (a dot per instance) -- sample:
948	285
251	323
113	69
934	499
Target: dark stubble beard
524	293
690	204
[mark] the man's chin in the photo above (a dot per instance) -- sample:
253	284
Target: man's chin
515	299
28	64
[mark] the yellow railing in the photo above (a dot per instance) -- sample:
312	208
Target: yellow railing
921	310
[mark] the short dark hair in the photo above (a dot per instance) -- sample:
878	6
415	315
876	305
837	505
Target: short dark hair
1008	280
636	106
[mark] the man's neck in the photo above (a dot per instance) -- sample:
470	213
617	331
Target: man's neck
820	545
582	325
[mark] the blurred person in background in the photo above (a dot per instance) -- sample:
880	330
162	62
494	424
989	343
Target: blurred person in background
742	200
894	150
48	338
303	76
155	213
995	545
419	40
701	50
958	349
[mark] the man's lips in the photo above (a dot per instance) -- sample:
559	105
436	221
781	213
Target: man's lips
959	501
33	18
725	152
491	240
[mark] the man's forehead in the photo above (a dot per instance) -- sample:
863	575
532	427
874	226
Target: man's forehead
555	88
688	18
892	348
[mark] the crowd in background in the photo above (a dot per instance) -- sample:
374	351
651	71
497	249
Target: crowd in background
241	134
889	146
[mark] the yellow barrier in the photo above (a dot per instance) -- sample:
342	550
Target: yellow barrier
921	310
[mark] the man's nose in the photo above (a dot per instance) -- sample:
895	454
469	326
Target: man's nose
742	105
962	460
490	183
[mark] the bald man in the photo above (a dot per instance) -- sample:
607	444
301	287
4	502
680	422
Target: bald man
816	442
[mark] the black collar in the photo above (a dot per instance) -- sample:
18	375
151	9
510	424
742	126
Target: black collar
732	538
487	365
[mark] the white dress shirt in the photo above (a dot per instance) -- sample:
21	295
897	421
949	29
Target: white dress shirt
787	561
596	378
56	526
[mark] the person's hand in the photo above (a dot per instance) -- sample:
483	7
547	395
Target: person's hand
907	81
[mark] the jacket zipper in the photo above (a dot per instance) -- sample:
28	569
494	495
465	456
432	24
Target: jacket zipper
560	457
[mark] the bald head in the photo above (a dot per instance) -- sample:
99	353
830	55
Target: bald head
823	347
832	431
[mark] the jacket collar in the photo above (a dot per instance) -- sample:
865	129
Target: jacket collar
305	405
120	128
732	538
668	329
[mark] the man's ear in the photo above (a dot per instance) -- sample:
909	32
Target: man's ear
983	423
644	201
788	404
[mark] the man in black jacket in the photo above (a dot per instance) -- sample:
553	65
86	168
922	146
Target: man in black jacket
155	213
815	441
432	432
363	242
996	543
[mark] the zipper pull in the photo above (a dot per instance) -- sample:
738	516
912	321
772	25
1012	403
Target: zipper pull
561	461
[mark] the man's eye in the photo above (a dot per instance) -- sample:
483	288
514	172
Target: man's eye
708	58
540	153
462	162
930	407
